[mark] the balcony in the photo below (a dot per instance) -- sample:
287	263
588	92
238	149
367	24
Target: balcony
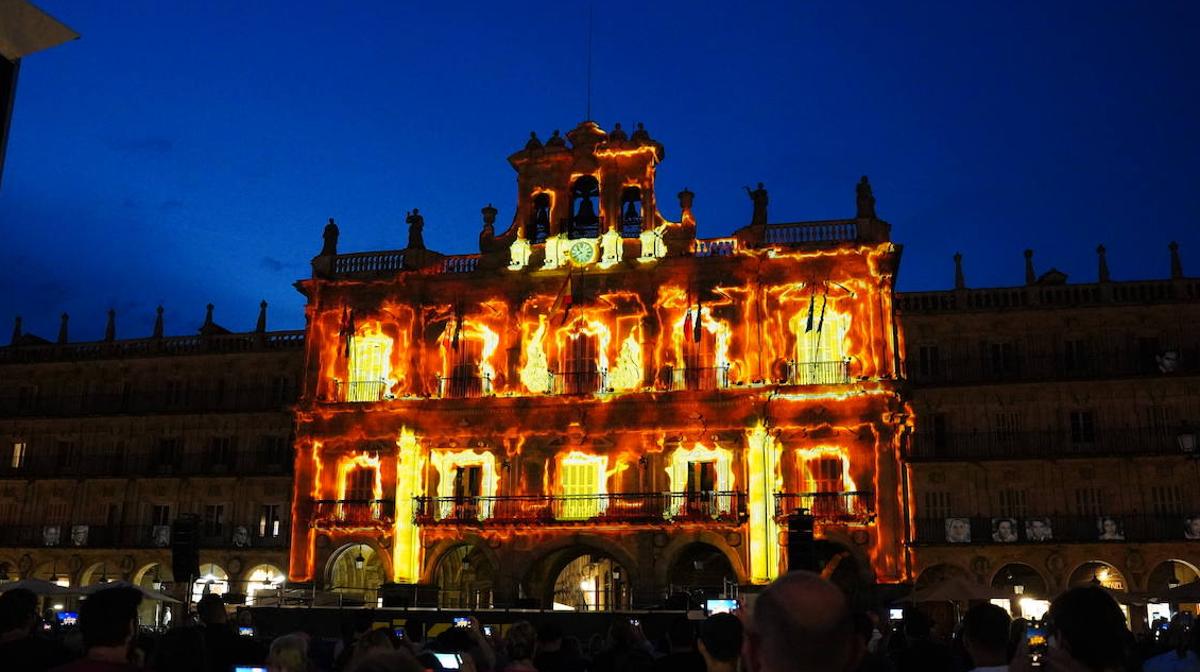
359	391
693	378
818	373
82	535
245	400
134	464
334	513
1106	363
1053	529
464	387
828	507
623	508
579	383
1049	444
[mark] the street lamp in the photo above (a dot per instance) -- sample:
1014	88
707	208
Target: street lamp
359	560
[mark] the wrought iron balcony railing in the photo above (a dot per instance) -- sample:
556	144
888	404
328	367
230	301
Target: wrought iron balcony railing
579	382
464	387
626	507
699	378
352	512
1052	528
1096	442
83	463
244	400
830	507
359	391
818	373
1108	362
77	535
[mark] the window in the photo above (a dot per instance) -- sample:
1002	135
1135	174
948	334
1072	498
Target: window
468	481
268	521
700	371
281	390
18	454
631	212
214	519
275	452
464	380
1076	359
1089	501
169	454
585	223
540	219
160	514
928	362
1002	359
1148	350
369	368
1166	500
1083	427
933	436
220	453
176	393
67	455
937	505
360	484
1158	420
825	474
581	479
1008	427
1012	503
579	372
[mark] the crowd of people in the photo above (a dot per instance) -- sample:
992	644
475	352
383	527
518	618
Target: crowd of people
801	623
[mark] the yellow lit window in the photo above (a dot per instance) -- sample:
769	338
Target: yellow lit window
581	481
368	368
18	455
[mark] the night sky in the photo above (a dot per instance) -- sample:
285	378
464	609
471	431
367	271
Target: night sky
182	153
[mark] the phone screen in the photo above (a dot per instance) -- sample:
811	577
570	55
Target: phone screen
245	631
896	614
248	668
1036	641
462	622
450	661
487	630
720	606
398	631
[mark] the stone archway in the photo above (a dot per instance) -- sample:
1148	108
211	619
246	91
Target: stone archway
1170	573
1022	579
355	572
562	571
465	576
1098	572
701	571
152	576
263	583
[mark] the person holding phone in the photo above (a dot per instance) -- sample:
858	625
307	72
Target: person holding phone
1086	632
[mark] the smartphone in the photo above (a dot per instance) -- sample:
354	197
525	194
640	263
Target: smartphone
487	630
896	614
462	622
248	668
67	617
449	661
635	622
720	606
246	631
1037	641
398	631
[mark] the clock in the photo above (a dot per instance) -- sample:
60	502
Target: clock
583	252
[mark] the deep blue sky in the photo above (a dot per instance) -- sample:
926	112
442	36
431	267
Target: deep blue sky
191	152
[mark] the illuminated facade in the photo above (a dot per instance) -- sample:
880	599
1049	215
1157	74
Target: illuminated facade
107	443
599	408
1051	423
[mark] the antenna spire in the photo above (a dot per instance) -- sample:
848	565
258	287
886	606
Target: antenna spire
588	115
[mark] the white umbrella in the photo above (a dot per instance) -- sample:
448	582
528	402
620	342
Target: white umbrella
37	587
146	592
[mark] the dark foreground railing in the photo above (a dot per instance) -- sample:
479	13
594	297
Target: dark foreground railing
651	507
858	506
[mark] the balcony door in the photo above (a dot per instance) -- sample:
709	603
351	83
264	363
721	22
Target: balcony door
581	483
464	374
468	486
826	482
360	501
701	487
700	368
579	370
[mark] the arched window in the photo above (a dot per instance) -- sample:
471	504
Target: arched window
631	212
585	222
539	220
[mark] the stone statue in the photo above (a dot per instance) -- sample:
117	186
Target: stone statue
488	235
533	143
556	140
618	134
640	134
759	198
416	224
331	238
865	199
685	199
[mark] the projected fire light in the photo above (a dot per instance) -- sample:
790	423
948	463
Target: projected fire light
596	374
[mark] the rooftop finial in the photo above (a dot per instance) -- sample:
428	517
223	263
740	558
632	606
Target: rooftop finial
416	227
1030	276
1176	264
110	329
62	328
865	199
208	316
261	326
1102	261
16	335
158	322
960	281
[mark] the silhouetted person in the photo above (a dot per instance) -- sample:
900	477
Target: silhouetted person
223	646
683	656
1089	635
720	642
180	650
519	645
416	225
21	646
801	623
553	655
985	637
920	652
108	623
625	652
1183	648
874	656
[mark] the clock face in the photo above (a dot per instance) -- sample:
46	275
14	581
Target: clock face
582	252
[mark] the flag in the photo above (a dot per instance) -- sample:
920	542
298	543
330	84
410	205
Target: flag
458	321
812	299
687	324
824	300
698	324
564	299
347	330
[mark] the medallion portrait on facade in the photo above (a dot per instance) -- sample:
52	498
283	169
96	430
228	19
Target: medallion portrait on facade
958	530
79	535
1110	529
1038	529
1004	530
1191	527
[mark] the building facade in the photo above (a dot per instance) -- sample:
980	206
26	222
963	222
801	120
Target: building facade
1053	422
599	409
107	444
